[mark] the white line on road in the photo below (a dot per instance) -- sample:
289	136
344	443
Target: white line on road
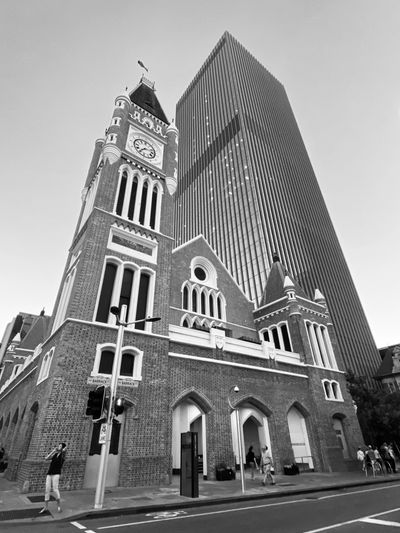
78	525
252	507
360	519
224	511
357	492
380	522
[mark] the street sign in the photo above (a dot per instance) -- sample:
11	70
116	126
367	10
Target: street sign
106	381
103	433
128	382
99	380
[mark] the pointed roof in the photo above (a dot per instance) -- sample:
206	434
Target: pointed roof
275	286
144	96
36	334
387	366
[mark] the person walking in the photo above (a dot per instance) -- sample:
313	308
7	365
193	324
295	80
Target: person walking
361	457
57	457
251	461
266	466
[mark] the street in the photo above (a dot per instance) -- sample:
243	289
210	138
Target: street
370	510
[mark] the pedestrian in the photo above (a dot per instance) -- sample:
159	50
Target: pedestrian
3	459
392	457
361	457
57	457
266	466
251	461
378	457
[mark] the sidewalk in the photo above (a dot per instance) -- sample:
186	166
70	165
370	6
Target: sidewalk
78	504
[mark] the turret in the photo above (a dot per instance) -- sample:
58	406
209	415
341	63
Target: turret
171	158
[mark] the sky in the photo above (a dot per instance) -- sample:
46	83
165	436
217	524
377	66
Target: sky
64	62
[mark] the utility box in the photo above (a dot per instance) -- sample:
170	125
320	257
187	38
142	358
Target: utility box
189	471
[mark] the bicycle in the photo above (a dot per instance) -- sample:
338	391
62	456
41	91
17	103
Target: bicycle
388	467
375	468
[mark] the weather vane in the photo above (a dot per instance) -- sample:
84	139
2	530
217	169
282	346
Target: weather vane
143	66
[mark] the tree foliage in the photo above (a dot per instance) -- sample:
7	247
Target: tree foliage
378	411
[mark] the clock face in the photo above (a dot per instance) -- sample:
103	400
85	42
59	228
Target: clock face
144	148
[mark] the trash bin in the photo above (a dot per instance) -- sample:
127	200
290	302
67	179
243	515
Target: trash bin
224	473
291	470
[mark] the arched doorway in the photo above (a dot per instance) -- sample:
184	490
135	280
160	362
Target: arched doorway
340	435
299	439
187	415
254	428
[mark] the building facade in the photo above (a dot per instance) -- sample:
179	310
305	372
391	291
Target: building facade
246	184
177	374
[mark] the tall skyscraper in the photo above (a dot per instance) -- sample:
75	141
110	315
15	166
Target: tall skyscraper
246	183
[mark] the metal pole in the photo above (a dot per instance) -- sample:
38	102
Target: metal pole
105	448
239	436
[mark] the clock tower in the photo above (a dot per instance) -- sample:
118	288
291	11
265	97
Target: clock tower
120	255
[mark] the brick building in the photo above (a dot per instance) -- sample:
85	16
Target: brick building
176	374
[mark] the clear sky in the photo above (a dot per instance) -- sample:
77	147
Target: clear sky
64	62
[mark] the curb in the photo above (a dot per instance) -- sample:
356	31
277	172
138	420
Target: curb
190	503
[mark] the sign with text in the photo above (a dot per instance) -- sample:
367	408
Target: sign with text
106	381
103	433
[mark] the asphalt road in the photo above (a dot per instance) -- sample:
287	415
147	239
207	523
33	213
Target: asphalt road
369	509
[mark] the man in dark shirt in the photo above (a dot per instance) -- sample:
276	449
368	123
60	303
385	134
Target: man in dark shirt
57	457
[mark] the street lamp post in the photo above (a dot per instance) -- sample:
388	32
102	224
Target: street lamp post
105	448
236	389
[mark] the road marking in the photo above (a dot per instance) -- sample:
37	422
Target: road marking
223	511
360	519
80	526
253	507
380	522
357	492
166	514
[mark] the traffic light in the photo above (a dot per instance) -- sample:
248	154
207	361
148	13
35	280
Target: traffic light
119	406
94	406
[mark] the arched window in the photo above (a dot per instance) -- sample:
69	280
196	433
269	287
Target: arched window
185	303
143	202
45	367
327	388
126	284
275	337
321	347
286	340
219	307
279	336
332	390
211	304
131	362
203	303
194	301
138	198
185	323
132	199
153	212
103	309
121	193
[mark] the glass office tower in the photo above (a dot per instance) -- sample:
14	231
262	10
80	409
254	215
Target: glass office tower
246	183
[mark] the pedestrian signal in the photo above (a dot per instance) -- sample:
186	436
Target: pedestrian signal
119	406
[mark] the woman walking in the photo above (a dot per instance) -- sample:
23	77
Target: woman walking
251	461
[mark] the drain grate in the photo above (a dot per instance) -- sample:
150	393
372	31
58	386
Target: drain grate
21	513
40	498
